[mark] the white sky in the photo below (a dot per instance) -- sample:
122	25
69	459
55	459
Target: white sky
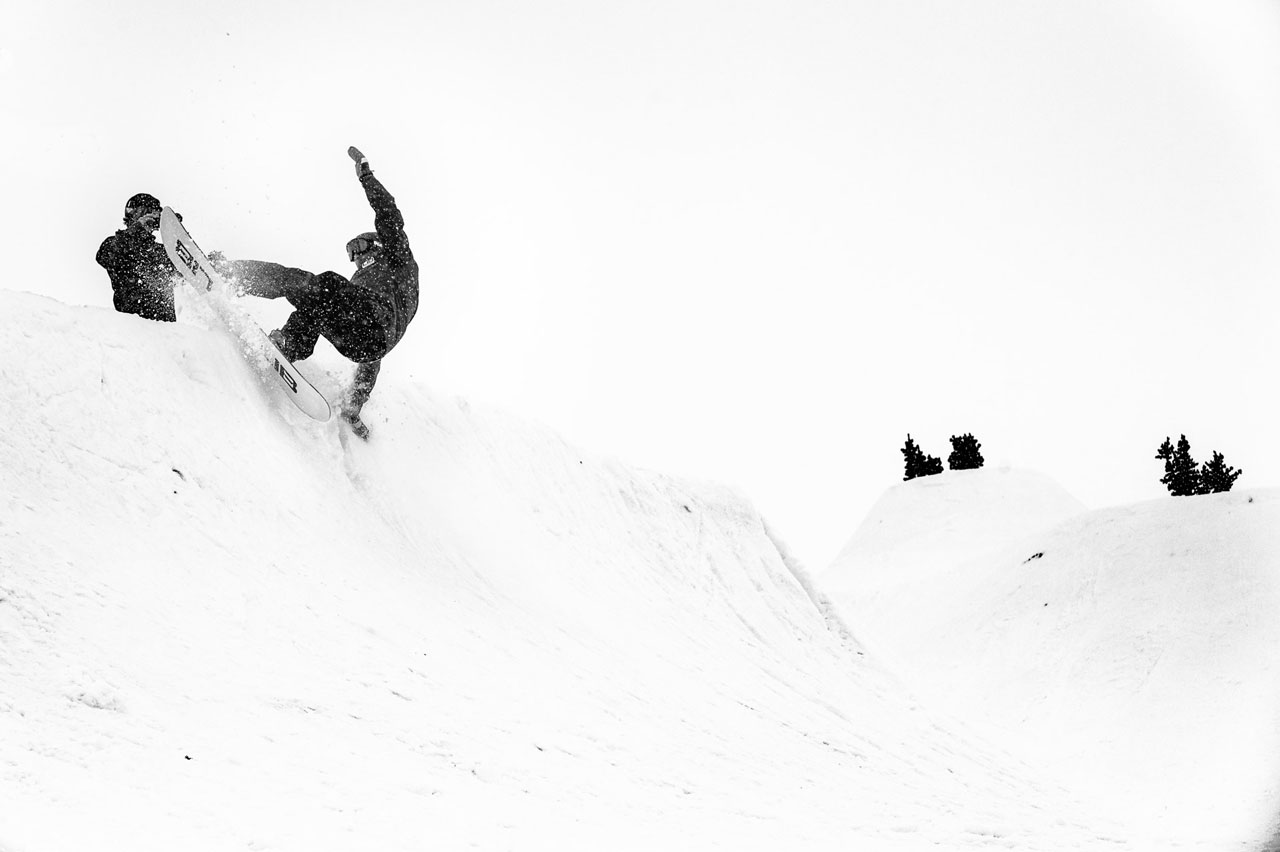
753	242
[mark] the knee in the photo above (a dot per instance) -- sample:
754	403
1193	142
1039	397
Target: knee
330	283
316	292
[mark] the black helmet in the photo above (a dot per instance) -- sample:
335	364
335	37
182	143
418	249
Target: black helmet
140	205
366	242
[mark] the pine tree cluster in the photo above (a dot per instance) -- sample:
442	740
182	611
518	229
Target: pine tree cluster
918	464
965	455
1184	478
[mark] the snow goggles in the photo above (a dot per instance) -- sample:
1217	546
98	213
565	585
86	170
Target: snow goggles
360	245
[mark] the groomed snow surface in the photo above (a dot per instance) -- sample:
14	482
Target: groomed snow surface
223	626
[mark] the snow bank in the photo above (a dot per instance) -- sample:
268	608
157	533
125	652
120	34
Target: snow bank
225	626
1134	651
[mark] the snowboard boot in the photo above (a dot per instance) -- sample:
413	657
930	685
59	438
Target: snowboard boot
284	344
361	387
353	420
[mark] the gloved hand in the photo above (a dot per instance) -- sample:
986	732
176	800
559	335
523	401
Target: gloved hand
362	163
219	262
149	222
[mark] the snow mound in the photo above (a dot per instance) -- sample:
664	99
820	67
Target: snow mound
1134	651
921	529
224	626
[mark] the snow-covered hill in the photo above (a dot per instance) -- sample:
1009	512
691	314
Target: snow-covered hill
223	626
919	531
1135	651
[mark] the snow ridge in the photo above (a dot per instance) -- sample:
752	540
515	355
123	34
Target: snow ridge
821	602
223	625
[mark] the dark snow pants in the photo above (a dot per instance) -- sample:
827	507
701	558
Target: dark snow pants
348	317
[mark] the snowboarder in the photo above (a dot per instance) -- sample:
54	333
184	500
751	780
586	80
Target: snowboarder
364	317
141	275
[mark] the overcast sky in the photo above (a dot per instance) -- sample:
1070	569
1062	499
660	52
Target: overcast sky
755	242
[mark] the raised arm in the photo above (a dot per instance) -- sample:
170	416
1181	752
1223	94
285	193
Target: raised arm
387	219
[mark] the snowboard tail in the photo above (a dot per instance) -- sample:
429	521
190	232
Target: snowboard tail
198	273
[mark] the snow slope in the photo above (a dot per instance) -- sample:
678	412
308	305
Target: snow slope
1134	651
918	532
223	626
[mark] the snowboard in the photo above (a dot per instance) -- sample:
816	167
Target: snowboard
198	273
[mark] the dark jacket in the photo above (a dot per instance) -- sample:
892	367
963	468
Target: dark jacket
141	274
384	295
396	272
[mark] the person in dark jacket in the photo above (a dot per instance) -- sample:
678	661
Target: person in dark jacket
141	274
364	317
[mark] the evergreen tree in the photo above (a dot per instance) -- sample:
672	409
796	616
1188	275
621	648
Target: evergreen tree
1181	474
914	458
965	453
932	465
1217	476
1165	454
917	463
